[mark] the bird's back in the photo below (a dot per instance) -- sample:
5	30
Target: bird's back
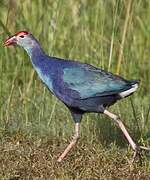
74	82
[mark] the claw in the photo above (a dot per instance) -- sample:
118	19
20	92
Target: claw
137	152
135	155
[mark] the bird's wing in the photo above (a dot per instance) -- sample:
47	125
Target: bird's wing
89	81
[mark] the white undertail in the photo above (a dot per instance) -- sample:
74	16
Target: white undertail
129	91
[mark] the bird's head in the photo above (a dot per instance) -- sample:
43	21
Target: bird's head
22	38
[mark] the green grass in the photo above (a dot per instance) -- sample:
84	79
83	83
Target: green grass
113	35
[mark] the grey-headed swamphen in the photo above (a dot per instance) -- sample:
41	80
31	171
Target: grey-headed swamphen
81	87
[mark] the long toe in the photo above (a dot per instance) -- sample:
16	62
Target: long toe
137	153
145	148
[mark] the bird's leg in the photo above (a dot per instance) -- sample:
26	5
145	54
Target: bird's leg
72	143
134	146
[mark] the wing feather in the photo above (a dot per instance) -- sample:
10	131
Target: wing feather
89	81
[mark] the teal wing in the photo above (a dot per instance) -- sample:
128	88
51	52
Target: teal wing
90	82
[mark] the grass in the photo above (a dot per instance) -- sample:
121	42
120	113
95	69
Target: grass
28	159
111	34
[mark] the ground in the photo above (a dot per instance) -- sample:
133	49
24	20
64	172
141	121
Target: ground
24	158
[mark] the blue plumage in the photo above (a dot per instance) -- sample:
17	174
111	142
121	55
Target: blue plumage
92	82
81	87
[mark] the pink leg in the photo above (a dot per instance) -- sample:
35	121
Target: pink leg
134	146
72	143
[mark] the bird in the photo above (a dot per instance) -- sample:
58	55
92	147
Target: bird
82	87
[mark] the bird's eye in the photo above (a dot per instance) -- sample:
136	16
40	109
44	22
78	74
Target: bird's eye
21	36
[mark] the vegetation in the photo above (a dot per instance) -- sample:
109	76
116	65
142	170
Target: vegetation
35	127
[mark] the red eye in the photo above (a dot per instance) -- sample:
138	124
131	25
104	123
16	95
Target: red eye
21	36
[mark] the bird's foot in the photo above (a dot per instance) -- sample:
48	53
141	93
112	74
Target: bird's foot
59	159
137	153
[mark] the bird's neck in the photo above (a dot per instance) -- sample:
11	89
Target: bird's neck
35	53
33	50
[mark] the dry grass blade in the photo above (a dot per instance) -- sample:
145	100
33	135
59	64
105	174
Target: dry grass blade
27	90
125	28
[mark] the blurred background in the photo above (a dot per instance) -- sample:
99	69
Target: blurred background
113	35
